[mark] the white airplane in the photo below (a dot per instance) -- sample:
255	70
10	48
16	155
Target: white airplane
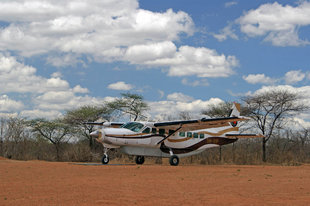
170	139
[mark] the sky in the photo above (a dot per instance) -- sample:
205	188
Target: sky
182	56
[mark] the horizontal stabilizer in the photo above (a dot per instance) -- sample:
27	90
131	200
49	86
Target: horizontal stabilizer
244	135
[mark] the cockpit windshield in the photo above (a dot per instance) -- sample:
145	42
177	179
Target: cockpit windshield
133	126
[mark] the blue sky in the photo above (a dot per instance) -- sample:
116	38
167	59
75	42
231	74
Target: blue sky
180	55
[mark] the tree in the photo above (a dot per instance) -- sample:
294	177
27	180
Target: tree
222	109
77	118
132	104
55	131
269	110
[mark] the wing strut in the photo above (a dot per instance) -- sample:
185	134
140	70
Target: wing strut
170	134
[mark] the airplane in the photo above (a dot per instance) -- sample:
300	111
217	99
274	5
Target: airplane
172	139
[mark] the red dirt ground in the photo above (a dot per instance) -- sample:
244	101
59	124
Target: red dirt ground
54	183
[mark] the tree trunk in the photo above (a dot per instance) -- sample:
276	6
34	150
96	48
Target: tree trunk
264	149
57	152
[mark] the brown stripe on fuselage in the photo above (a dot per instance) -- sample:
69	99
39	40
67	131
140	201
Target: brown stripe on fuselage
221	132
211	140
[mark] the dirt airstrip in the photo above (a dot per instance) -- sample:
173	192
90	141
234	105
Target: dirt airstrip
54	183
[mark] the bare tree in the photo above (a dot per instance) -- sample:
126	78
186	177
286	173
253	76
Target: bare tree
56	131
270	109
132	104
220	110
77	118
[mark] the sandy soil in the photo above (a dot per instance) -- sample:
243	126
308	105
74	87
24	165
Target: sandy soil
52	183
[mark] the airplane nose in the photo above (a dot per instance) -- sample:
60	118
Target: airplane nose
95	134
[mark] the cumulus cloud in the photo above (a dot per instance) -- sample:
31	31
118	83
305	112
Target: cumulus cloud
179	97
294	76
259	79
9	105
226	32
178	102
72	32
97	28
120	86
201	62
48	97
277	23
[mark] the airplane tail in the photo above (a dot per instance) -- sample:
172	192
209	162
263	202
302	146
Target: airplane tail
235	110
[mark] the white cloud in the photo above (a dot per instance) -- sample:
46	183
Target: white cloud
279	24
294	76
17	77
202	62
48	97
259	79
195	83
68	32
9	105
79	89
179	97
120	86
230	4
95	28
161	110
226	32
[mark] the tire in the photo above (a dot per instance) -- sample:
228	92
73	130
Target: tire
139	160
174	160
105	159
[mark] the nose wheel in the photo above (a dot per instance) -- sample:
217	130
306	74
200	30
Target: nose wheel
105	159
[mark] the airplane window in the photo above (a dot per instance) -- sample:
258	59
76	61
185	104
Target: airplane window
133	126
182	134
195	135
202	136
189	134
161	131
171	131
146	130
154	130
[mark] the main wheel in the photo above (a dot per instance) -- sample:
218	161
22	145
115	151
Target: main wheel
139	160
105	159
174	160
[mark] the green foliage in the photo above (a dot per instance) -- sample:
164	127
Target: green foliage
132	104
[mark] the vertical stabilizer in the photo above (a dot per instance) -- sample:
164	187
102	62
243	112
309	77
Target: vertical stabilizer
235	112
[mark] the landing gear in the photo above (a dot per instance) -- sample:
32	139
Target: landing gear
105	159
139	160
174	160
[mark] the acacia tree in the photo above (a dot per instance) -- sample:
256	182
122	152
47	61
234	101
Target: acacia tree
78	117
270	109
220	110
132	104
55	131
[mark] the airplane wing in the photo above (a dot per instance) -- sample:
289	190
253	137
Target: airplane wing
197	124
106	124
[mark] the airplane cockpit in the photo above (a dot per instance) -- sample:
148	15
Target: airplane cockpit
133	126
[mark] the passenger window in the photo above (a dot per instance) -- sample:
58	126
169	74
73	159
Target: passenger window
195	135
161	131
202	136
146	130
154	130
189	134
171	131
182	134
